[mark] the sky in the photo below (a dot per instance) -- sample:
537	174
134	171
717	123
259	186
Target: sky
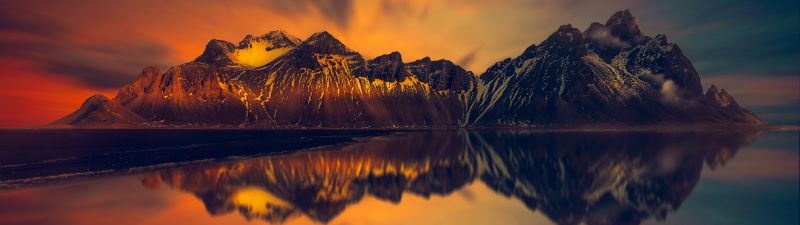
56	53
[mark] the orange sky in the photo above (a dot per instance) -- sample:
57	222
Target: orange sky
54	54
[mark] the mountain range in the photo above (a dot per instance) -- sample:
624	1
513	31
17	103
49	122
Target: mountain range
609	74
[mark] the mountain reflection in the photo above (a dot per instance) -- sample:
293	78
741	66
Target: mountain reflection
572	177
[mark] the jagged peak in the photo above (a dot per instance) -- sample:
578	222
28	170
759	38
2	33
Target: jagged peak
428	60
282	34
218	42
621	17
425	59
279	33
566	35
387	67
217	52
724	93
279	38
712	89
719	97
321	36
324	42
395	55
661	38
623	25
567	28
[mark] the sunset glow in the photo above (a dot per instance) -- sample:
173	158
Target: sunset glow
58	53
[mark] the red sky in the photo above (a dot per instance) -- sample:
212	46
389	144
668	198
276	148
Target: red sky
54	54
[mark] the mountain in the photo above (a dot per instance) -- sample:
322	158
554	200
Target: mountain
611	73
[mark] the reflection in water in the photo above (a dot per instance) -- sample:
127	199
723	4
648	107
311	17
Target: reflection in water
572	177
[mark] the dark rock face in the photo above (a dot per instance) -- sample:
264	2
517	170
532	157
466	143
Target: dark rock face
218	52
99	111
387	67
277	39
442	74
610	74
193	93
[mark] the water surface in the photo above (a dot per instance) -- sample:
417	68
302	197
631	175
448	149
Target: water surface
411	177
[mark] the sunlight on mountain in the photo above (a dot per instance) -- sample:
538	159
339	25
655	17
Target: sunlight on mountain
257	200
257	55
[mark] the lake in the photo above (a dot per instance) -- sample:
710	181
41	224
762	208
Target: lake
457	176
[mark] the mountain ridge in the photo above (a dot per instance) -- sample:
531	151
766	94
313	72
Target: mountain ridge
608	74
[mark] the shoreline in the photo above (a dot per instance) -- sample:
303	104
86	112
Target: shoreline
544	128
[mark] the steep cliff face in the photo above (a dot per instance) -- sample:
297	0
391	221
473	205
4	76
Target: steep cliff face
442	74
192	93
610	74
387	67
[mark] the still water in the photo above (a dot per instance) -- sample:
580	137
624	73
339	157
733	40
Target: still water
408	177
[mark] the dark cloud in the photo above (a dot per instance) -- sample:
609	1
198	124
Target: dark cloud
49	45
27	22
784	114
338	11
467	60
603	36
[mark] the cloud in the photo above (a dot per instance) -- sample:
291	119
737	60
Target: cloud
603	36
338	11
670	92
467	60
53	47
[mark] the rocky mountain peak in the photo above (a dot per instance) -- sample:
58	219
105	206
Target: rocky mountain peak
323	42
252	51
719	98
276	38
442	74
565	35
388	67
218	52
567	40
623	25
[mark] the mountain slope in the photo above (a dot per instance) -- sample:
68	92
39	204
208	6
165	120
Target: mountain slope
99	111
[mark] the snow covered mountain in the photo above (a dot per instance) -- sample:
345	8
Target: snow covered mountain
609	74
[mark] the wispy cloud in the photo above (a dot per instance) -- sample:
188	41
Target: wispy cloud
55	48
